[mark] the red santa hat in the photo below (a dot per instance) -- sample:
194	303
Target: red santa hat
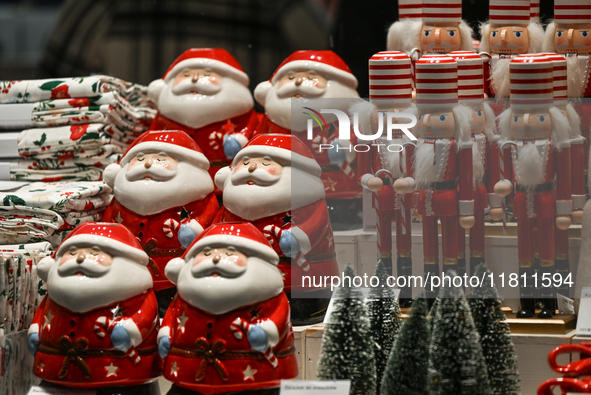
470	76
442	11
325	63
436	82
509	12
390	78
242	235
532	82
113	238
412	9
572	12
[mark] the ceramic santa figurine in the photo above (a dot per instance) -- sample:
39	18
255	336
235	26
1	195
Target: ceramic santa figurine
510	31
274	182
308	75
402	34
205	93
485	154
536	154
98	323
389	91
164	196
570	34
443	161
228	329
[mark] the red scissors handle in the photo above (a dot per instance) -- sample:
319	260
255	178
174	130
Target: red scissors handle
574	368
566	384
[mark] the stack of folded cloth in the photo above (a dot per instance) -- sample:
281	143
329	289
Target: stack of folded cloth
42	211
20	289
69	128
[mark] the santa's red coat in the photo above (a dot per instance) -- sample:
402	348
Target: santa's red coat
210	138
340	182
152	231
318	253
69	344
203	340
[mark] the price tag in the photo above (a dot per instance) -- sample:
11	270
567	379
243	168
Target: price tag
365	294
565	305
37	390
584	318
296	387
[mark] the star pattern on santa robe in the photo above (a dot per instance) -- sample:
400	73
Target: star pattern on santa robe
182	320
249	373
286	219
48	319
329	184
174	369
111	370
184	214
229	127
118	218
254	312
41	365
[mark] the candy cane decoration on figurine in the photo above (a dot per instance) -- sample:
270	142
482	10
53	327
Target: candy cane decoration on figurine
238	326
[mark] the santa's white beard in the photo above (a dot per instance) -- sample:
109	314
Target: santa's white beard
530	166
576	67
260	281
424	165
478	163
278	107
501	81
198	110
123	280
147	197
290	192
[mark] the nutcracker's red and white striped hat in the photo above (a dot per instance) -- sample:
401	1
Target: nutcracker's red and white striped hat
532	82
470	76
411	9
436	82
534	10
242	235
390	79
442	11
172	142
560	78
287	149
112	238
509	12
572	12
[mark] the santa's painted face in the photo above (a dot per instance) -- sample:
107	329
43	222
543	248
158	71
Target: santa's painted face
573	39
196	81
531	125
89	261
478	118
436	125
509	39
157	167
441	38
219	261
301	84
261	171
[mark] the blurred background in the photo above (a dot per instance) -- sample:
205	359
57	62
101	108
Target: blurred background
137	40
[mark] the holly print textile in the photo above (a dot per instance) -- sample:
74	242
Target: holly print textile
53	170
62	164
31	91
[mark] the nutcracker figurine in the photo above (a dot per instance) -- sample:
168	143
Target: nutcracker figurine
274	183
98	323
534	10
570	34
317	75
443	161
389	91
228	329
164	196
485	155
536	153
205	93
510	31
402	34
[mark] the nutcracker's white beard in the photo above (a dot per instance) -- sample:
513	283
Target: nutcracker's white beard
147	197
391	160
530	166
118	282
278	105
404	35
202	109
500	78
478	163
574	120
294	189
425	171
218	295
576	72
